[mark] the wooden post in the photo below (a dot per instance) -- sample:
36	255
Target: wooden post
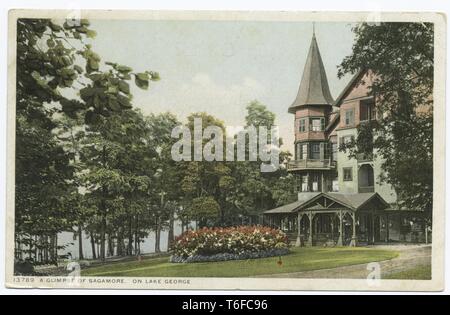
373	227
332	226
353	241
298	242
341	230
310	236
387	228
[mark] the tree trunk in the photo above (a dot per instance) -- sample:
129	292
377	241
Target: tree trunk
55	249
35	248
30	248
103	236
120	242
157	236
94	255
110	245
170	236
39	258
80	242
46	249
136	237
130	237
19	248
103	213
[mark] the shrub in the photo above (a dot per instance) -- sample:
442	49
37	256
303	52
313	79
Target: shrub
237	241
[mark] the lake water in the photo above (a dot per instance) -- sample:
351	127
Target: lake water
147	246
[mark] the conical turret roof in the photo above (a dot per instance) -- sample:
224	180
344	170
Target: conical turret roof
314	88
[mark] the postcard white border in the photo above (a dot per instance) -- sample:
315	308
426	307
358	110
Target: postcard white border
438	246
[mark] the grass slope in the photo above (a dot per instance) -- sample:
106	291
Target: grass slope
300	259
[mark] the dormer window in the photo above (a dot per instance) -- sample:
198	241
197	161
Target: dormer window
367	110
317	124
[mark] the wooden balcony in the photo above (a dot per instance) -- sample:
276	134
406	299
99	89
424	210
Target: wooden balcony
310	164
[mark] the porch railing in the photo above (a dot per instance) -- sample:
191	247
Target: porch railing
311	164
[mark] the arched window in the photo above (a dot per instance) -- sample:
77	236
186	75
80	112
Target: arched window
365	178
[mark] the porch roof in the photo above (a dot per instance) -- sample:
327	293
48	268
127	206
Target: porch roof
292	207
356	201
350	201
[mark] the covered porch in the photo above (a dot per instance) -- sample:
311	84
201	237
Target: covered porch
332	219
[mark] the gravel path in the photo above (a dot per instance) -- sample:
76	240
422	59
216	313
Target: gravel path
410	257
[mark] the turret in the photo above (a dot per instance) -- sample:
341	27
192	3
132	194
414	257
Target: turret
312	108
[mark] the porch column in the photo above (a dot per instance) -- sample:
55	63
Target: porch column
298	242
387	228
341	230
310	235
353	241
373	227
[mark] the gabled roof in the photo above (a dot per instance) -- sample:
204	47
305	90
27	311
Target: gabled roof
357	201
349	86
315	207
292	207
350	201
313	88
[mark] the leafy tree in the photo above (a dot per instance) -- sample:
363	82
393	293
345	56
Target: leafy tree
70	135
168	174
54	62
115	156
42	168
203	209
258	115
283	190
257	191
45	67
205	183
400	57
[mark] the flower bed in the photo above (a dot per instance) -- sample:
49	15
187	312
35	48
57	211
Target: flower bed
219	244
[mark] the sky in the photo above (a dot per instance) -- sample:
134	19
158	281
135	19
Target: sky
220	66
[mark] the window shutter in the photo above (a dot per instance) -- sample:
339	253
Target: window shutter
322	124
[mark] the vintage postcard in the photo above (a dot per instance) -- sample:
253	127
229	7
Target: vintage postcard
226	150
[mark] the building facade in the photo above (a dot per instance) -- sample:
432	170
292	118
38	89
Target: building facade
340	199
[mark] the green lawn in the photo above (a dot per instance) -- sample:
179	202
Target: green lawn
422	272
300	259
